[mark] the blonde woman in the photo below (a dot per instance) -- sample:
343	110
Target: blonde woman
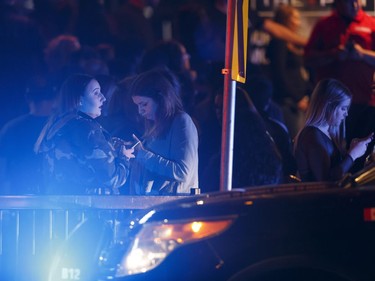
320	147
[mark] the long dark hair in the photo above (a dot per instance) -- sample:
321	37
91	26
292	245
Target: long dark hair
71	91
163	87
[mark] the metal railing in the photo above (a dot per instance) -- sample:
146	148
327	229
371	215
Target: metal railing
33	227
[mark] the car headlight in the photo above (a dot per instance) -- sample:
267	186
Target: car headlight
156	240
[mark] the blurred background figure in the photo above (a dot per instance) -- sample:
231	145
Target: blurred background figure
211	32
172	54
55	18
65	55
21	56
261	92
290	78
93	24
122	119
256	159
107	54
120	115
134	30
61	57
19	169
186	21
108	85
91	62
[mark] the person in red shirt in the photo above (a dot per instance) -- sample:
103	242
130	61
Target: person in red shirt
342	46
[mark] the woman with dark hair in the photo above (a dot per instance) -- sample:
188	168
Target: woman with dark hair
166	162
79	155
320	147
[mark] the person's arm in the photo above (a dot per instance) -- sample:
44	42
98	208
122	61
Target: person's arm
110	171
316	58
358	146
281	32
316	55
184	148
362	54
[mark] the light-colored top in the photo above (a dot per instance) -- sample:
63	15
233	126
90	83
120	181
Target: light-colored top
169	163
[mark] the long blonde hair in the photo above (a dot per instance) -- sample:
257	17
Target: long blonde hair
326	98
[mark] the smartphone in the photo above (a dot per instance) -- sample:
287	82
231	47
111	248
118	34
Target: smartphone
134	145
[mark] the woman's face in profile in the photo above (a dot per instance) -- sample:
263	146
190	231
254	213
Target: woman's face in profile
146	107
92	100
341	113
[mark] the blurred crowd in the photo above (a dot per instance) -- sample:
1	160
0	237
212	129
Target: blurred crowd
42	45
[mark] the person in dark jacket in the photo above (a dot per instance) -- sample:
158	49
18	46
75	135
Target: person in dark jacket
79	156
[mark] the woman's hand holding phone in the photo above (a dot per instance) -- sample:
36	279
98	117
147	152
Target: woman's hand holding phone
128	152
138	143
358	146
